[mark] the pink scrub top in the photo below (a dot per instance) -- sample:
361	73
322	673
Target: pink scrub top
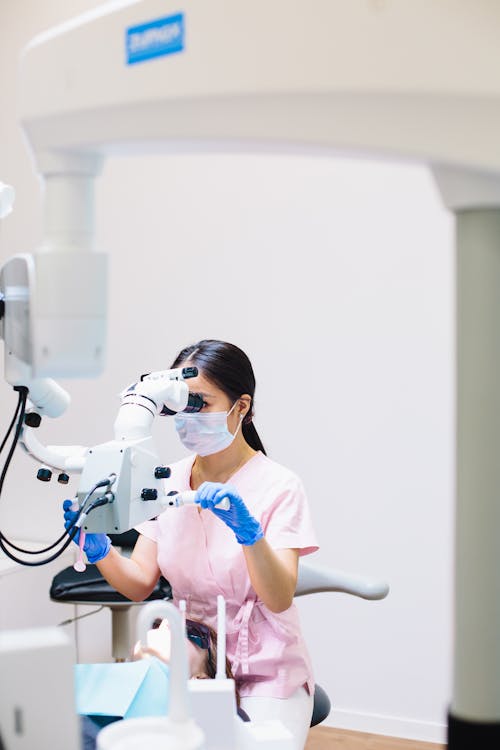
200	557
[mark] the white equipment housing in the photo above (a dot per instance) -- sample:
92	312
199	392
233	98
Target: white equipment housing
28	658
130	459
283	75
55	305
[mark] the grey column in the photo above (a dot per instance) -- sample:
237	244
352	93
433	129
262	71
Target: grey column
476	681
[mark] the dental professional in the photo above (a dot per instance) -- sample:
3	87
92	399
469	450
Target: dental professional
248	553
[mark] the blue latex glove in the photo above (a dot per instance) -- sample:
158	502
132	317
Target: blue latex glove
96	546
246	528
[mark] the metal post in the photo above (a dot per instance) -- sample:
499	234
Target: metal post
474	715
121	635
474	719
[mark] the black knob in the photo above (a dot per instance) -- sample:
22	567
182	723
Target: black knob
162	472
149	494
32	419
44	475
63	478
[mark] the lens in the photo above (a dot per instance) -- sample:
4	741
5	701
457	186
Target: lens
198	633
195	403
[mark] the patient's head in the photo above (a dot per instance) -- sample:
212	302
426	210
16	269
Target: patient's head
201	648
201	643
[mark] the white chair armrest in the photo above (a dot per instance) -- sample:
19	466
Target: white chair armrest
314	578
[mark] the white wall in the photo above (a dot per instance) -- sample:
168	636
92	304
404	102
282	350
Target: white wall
336	276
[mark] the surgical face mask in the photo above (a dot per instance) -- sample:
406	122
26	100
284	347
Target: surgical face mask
207	433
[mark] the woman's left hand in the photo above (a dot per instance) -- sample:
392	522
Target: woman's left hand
246	528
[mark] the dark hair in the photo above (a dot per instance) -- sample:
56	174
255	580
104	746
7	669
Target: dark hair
229	368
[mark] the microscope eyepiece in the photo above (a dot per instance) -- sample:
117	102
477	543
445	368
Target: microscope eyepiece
195	403
189	372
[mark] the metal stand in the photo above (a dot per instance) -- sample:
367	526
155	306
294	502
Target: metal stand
474	717
121	631
475	708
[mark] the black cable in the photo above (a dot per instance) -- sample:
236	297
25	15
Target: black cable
30	551
23	395
104	500
73	529
20	411
40	562
7	434
96	504
71	532
79	617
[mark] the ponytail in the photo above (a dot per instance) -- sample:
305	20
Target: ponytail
252	436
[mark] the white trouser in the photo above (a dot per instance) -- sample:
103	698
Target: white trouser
294	712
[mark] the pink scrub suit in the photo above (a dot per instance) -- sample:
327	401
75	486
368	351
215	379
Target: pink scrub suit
200	557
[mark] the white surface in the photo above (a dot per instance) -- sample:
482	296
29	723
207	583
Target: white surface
24	591
7	196
154	733
266	734
30	714
347	75
214	707
464	189
340	263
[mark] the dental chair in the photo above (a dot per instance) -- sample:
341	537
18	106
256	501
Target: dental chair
90	587
314	578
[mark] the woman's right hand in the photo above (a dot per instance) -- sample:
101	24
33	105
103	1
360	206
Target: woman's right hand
246	528
96	546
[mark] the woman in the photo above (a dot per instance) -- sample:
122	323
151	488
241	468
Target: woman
248	553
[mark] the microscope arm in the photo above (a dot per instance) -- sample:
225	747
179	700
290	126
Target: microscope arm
66	458
132	457
140	403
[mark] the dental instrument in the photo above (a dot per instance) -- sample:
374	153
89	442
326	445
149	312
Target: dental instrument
187	497
178	730
79	564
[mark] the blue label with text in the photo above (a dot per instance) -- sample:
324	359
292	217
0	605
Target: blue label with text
155	38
